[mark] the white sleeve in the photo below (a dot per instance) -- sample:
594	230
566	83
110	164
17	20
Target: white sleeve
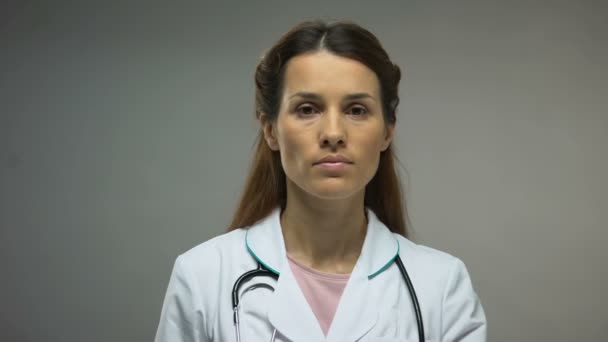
464	319
180	320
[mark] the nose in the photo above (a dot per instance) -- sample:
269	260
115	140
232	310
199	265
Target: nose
333	132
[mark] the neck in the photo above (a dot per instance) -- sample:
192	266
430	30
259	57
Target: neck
325	235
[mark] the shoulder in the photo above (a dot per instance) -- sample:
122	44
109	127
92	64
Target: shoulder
433	267
425	255
191	300
215	258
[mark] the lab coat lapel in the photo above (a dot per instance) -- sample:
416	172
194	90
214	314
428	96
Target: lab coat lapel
289	311
358	311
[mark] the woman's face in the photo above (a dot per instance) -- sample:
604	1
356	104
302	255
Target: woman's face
330	107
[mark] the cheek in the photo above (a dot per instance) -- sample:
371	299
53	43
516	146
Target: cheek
371	147
372	143
293	144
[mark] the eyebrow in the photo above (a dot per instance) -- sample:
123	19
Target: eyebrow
317	97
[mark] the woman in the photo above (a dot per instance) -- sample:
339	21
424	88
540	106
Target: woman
321	218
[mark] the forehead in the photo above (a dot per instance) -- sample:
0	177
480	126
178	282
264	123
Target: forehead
329	75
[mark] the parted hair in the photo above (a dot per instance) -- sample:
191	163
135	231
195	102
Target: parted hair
265	186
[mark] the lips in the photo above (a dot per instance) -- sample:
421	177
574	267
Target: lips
334	158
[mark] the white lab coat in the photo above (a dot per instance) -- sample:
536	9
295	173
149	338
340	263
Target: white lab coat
375	305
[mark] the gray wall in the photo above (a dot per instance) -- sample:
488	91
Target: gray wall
126	130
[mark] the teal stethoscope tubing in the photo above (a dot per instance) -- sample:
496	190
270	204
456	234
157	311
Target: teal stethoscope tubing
262	271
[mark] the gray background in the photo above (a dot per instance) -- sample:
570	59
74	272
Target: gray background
126	130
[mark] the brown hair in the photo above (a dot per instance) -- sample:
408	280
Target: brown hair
265	188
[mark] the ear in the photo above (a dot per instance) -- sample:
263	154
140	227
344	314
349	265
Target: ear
269	131
389	134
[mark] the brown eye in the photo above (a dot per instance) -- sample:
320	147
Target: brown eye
358	110
306	110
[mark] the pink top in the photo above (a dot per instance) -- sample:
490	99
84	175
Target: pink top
322	291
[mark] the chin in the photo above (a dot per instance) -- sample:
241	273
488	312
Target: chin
333	191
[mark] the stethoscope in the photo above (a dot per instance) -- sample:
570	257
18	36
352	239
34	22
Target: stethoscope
262	271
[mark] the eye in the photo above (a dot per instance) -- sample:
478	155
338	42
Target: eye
306	109
358	110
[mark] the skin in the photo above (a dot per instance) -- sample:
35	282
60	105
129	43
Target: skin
324	221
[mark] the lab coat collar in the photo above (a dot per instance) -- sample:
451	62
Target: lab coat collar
289	311
264	240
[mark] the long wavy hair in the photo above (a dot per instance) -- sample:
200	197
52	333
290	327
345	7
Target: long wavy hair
265	187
